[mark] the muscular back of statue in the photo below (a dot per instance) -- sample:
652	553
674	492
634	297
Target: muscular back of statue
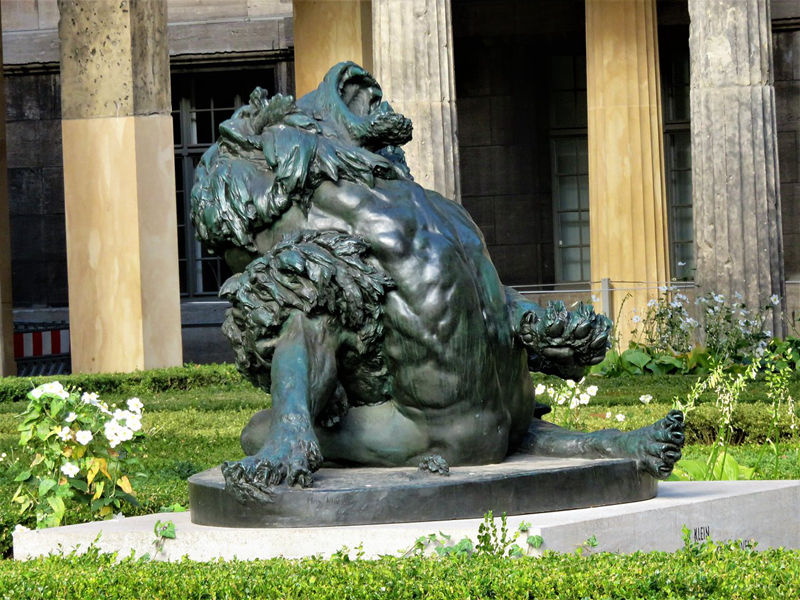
369	307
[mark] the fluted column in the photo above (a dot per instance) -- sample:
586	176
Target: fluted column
7	364
119	186
413	62
736	196
628	212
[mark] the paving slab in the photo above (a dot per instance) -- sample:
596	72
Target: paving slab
767	512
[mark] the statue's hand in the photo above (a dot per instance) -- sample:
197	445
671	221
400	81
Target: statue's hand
562	342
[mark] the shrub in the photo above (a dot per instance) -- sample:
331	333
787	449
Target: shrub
139	383
698	571
75	449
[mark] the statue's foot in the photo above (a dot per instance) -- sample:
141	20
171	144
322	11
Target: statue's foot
290	457
661	444
658	446
561	342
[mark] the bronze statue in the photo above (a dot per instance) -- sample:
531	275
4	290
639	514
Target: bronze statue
368	307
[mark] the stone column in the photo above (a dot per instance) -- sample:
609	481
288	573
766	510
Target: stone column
628	208
736	195
413	49
119	186
327	32
7	364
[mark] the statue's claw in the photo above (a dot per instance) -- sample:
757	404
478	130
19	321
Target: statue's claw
560	342
290	460
661	444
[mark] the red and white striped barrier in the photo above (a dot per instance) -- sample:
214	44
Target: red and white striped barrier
41	343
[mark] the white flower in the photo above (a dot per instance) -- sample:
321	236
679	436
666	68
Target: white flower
574	403
54	388
608	415
651	303
540	389
136	405
83	437
645	398
69	469
65	434
551	392
775	299
3	456
636	318
681	263
19	528
70	417
89	398
570	383
585	398
592	390
134	423
620	417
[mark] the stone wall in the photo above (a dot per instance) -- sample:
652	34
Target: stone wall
36	190
502	62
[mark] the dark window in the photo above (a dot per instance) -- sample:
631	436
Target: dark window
569	164
200	102
674	49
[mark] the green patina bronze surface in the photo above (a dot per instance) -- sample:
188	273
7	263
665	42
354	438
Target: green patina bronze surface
369	307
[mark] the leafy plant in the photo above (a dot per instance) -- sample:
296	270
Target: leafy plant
77	451
566	398
494	542
163	530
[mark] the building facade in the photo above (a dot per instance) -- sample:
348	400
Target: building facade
606	148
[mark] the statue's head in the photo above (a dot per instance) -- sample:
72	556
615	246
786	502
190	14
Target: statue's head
349	104
274	152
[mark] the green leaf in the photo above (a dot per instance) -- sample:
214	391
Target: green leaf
79	484
693	470
58	506
23	476
45	485
164	529
43	430
635	357
535	541
25	437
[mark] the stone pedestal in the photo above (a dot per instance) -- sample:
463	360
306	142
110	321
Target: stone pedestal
628	210
119	186
326	33
7	364
413	51
763	511
736	195
521	484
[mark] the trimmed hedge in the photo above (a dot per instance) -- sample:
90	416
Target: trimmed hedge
752	423
694	572
133	384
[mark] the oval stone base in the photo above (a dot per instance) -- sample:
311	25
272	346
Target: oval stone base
521	484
